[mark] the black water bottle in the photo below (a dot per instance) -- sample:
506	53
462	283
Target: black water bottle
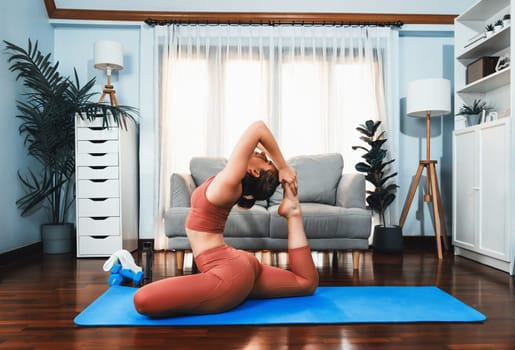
147	259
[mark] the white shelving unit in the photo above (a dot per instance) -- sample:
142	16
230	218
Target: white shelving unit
483	165
106	188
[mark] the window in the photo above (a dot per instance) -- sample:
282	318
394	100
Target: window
312	105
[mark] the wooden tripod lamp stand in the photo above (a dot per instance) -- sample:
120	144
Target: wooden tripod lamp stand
108	57
429	98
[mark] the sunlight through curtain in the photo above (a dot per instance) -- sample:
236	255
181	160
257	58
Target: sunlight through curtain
313	85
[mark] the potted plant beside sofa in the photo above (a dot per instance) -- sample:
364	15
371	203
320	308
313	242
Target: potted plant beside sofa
47	113
387	238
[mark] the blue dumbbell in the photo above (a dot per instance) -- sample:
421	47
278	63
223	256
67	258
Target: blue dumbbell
120	275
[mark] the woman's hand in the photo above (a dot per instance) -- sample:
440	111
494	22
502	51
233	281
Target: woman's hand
288	175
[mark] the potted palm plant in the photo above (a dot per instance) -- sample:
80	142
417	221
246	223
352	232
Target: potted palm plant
387	238
47	113
473	111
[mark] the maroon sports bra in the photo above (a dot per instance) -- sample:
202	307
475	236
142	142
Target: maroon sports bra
205	216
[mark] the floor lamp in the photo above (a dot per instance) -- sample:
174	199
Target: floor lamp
429	98
108	57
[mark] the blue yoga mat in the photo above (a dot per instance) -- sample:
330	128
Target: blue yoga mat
329	305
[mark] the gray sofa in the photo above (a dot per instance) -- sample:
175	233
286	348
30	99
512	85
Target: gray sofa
333	207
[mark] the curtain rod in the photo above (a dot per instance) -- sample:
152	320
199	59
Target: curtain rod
393	24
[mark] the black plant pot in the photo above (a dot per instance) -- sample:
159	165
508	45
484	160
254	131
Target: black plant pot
387	239
58	238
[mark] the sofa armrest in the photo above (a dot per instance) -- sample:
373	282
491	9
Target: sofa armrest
181	188
350	192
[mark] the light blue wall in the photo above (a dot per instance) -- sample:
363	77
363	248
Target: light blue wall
71	42
424	54
74	48
19	20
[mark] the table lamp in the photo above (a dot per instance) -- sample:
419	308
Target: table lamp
429	98
108	57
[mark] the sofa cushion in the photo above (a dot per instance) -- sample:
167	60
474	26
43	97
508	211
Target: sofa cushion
202	168
318	177
181	187
249	223
175	219
323	221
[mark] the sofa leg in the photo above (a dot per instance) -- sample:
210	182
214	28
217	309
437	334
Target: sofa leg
179	258
355	259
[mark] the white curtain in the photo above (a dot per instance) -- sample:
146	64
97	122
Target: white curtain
313	85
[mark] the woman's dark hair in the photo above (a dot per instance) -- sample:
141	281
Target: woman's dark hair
258	188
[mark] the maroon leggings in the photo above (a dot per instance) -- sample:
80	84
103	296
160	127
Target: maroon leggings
227	277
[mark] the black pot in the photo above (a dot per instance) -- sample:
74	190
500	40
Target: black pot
58	238
387	239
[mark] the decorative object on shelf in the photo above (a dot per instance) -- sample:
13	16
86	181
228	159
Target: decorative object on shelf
489	29
492	116
481	68
473	112
506	20
429	98
502	62
387	238
475	39
47	116
482	118
108	57
498	25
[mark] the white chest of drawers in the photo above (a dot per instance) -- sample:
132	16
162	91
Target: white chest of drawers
106	188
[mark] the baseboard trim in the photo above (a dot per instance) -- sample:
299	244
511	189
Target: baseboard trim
21	253
420	243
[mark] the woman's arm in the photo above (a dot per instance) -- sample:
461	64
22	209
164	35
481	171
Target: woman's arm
227	185
286	174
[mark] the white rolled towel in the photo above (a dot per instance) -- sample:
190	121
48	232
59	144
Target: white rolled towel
124	258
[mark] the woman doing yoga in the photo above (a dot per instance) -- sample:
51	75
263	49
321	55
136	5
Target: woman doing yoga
227	275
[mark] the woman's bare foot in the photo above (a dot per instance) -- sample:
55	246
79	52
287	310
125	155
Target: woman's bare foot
290	205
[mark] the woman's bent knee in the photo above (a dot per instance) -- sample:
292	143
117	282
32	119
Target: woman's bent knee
142	303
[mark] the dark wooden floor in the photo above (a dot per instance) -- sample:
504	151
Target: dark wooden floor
40	296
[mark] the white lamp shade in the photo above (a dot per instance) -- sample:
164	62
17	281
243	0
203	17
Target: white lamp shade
108	55
429	95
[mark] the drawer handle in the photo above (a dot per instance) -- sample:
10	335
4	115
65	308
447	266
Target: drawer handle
99	237
97	154
96	128
97	199
99	218
98	180
98	141
97	167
